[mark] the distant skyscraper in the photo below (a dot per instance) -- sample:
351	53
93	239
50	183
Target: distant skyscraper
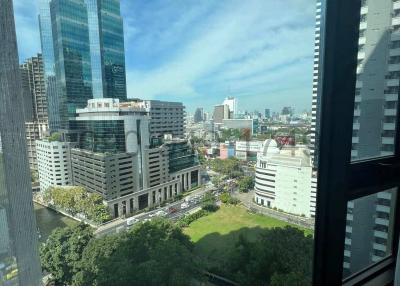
232	104
18	237
221	112
198	115
34	79
267	113
35	103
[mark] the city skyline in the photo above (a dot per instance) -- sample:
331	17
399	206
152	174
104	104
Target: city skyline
170	59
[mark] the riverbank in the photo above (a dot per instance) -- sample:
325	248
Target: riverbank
39	202
47	220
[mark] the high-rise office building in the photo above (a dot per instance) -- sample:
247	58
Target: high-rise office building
267	113
107	53
316	99
232	104
33	82
19	257
221	112
375	110
198	115
34	79
70	31
374	128
89	62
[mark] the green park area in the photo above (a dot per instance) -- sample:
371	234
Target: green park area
216	235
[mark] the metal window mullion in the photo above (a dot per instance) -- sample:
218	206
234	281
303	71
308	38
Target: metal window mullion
339	60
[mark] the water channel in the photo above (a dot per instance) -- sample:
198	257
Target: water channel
47	220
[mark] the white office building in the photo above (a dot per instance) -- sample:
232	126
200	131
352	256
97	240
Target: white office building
232	104
283	179
54	166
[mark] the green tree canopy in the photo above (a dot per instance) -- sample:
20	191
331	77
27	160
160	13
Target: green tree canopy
153	253
62	252
246	184
281	256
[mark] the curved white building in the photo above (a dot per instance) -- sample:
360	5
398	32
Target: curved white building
283	179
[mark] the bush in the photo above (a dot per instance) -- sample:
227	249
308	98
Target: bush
226	198
186	220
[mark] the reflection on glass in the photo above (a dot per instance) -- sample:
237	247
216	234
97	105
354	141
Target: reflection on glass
377	85
368	231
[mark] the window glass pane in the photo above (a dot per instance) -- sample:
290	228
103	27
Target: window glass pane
377	86
368	231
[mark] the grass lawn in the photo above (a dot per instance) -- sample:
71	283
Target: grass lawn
214	235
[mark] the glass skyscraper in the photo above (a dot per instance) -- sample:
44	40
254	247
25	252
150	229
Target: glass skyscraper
107	49
72	56
19	258
83	53
46	39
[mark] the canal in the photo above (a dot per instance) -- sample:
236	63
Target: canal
47	220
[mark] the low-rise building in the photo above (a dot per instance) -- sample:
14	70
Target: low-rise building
54	165
248	150
283	179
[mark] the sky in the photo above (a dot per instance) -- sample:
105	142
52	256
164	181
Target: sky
199	52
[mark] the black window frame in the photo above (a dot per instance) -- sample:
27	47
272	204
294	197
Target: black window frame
339	179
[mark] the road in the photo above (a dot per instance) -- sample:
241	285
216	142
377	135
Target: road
119	225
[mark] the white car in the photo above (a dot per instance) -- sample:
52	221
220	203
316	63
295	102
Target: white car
131	221
161	213
184	205
152	215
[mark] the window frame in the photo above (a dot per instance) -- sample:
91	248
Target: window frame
339	179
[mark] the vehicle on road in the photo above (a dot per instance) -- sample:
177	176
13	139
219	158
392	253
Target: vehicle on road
172	210
152	215
161	213
184	205
131	221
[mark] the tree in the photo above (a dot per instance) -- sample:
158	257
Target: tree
62	252
208	203
77	200
280	256
153	253
246	183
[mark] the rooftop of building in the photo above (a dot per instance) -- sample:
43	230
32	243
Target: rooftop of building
297	156
101	105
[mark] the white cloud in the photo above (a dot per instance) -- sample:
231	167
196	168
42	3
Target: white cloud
239	47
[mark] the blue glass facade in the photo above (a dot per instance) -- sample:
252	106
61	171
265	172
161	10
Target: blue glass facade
100	135
107	49
95	51
69	20
181	156
83	53
46	39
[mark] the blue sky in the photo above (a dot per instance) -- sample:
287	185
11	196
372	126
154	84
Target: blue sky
198	52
